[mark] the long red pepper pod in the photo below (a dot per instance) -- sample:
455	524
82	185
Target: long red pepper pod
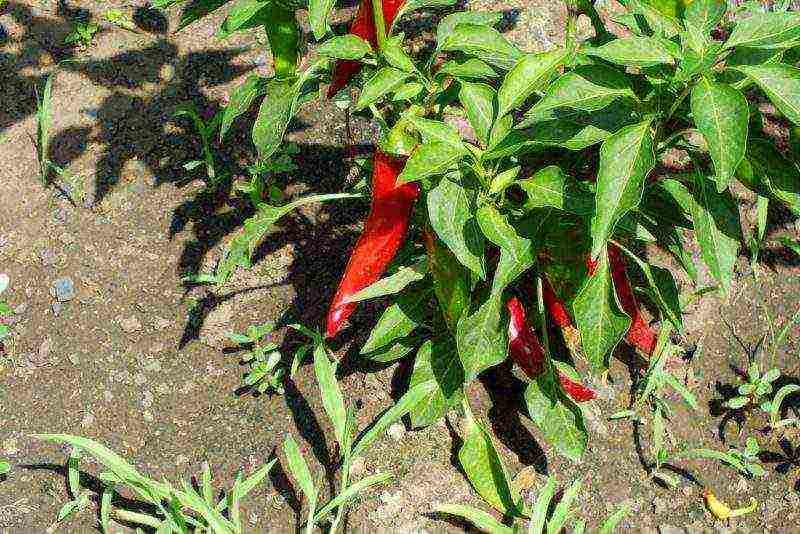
558	311
383	234
527	352
363	26
640	335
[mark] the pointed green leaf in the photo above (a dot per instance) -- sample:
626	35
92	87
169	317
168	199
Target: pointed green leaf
469	69
273	116
394	283
600	321
399	320
530	73
429	160
382	83
348	46
481	338
480	18
550	187
557	417
781	83
625	160
484	43
587	88
332	398
705	14
767	172
485	469
478	101
633	52
722	115
437	363
450	208
241	99
766	30
479	518
298	467
319	12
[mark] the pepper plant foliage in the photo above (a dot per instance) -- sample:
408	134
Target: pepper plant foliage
532	175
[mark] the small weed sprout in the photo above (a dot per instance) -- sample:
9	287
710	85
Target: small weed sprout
746	462
82	34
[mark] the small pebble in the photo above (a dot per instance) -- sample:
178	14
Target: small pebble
64	289
130	324
56	308
396	431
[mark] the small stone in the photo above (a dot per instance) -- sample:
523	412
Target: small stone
56	308
396	431
357	467
742	486
45	349
147	399
669	529
130	324
64	289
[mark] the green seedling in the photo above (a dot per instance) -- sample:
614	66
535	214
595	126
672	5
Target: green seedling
745	462
118	18
82	33
755	389
207	132
179	509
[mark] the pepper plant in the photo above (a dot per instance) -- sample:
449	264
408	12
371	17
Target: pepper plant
505	179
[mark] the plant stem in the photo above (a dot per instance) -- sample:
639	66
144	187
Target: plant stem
380	23
135	517
571	25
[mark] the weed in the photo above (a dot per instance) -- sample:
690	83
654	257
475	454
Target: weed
118	18
82	34
746	462
206	131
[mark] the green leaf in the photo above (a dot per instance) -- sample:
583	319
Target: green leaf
767	172
722	115
610	524
319	12
625	160
542	506
407	402
665	290
448	24
766	30
485	470
415	5
777	400
478	101
550	187
382	83
437	363
633	52
705	14
529	74
351	492
483	42
587	88
393	351
660	15
255	228
273	116
298	467
717	228
198	9
393	284
332	398
398	321
557	417
241	100
437	132
781	84
451	280
479	518
395	56
563	509
5	467
600	321
408	91
517	253
245	14
347	46
469	69
430	159
450	209
481	338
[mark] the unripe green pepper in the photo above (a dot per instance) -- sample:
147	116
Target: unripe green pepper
283	34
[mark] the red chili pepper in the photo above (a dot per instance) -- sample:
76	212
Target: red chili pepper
554	305
363	26
527	352
383	234
640	335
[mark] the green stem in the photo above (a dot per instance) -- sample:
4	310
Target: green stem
570	31
380	22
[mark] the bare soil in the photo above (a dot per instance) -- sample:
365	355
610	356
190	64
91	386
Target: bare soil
137	361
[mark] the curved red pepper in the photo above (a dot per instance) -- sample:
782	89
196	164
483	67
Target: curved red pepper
363	26
527	352
383	234
640	335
